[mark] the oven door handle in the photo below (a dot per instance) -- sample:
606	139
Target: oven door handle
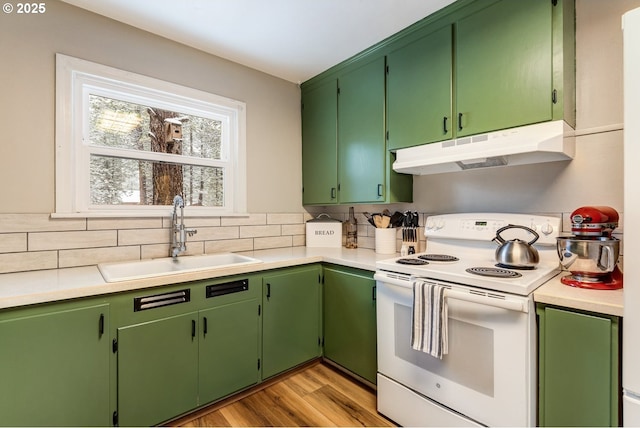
512	305
406	281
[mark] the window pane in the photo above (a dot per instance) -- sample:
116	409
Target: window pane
118	181
125	125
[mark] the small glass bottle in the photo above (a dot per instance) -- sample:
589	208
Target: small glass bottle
352	230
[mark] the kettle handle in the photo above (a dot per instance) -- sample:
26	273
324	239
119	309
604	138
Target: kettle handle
517	226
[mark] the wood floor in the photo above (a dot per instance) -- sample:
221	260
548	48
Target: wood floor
318	395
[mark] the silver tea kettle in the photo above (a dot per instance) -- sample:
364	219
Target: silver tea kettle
516	253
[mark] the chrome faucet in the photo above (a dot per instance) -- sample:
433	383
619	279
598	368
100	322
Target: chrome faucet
178	231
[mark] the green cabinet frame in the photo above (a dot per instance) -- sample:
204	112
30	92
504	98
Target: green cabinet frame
578	373
350	320
54	365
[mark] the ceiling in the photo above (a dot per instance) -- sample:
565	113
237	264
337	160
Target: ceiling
291	39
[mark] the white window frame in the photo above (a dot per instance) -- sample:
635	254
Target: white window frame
76	79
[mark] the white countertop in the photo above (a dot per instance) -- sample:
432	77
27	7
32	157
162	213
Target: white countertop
28	288
554	292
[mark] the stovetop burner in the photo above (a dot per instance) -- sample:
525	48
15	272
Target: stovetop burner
494	272
503	266
412	261
438	258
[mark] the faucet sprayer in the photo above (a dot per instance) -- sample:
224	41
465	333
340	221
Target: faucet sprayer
178	231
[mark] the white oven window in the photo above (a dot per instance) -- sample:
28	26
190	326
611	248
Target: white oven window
471	369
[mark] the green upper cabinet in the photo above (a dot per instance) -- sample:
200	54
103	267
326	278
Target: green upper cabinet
419	81
361	148
320	148
473	67
344	154
54	366
503	58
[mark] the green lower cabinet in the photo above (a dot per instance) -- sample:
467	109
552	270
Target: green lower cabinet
157	370
291	319
578	368
350	320
229	349
54	366
174	357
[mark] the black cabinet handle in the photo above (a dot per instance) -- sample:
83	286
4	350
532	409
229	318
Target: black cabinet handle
373	293
459	121
333	193
193	329
101	325
444	124
204	326
379	190
268	291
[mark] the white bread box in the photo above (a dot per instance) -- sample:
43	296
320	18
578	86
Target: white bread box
324	231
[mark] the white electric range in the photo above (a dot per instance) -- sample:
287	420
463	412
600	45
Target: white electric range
489	375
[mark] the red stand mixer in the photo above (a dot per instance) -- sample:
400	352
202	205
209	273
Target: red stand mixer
591	254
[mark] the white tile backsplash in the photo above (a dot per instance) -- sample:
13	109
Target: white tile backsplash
37	241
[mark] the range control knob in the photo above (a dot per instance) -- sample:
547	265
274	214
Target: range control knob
546	229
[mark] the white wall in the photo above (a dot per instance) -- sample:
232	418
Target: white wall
28	44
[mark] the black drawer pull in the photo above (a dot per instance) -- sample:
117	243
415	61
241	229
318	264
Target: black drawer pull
160	300
227	288
101	325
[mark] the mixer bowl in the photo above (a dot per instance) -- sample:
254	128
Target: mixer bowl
590	257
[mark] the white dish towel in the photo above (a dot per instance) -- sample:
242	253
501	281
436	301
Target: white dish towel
430	329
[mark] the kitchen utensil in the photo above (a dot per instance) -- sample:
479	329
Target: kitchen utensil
396	219
369	219
516	253
381	221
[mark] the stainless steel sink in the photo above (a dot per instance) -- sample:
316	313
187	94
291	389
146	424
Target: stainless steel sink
114	272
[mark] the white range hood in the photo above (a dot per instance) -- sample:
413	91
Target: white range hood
542	142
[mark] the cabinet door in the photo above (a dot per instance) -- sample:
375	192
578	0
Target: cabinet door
229	350
350	321
319	144
157	370
291	319
55	368
419	79
504	66
578	369
361	132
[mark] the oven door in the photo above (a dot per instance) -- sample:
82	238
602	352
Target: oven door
488	374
